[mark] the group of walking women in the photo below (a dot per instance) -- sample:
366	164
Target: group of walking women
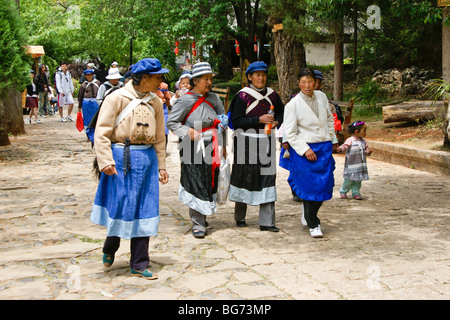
130	150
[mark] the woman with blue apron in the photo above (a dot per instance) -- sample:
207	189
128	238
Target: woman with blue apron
130	150
309	131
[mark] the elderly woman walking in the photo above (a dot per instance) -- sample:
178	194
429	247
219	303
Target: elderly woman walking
87	96
195	118
253	173
130	149
309	131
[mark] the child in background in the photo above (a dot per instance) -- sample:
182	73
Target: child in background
183	85
355	169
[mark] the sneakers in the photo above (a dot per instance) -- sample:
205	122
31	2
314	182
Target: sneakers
63	120
316	232
357	197
38	121
29	121
70	118
343	196
147	274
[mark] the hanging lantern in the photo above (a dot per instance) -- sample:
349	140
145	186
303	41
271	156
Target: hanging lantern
238	50
255	45
176	47
194	53
193	45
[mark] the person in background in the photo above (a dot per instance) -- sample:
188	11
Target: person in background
64	86
87	103
113	83
42	84
32	99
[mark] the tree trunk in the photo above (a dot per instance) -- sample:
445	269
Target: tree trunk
412	111
290	58
338	92
11	114
223	48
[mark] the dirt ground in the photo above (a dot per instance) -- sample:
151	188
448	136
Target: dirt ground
412	134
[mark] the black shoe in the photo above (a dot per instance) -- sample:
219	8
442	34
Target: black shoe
198	234
271	229
241	223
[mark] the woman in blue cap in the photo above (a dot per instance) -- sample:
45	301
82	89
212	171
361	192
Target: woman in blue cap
254	167
87	102
130	149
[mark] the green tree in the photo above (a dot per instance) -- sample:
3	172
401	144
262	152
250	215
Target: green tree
15	63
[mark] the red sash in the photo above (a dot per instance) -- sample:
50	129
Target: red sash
215	155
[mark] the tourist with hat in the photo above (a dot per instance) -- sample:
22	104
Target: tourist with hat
198	119
130	150
87	94
253	172
113	83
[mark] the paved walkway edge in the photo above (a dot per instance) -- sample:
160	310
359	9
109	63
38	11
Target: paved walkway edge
437	162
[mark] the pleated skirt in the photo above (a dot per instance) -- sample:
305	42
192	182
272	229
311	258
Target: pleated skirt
128	205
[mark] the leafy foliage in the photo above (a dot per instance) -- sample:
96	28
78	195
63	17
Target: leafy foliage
14	65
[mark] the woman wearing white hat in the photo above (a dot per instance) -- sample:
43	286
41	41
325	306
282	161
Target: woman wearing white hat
110	85
195	118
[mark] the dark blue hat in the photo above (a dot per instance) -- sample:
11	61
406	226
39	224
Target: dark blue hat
148	66
257	66
318	74
88	71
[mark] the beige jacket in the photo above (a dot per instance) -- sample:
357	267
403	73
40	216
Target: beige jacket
106	132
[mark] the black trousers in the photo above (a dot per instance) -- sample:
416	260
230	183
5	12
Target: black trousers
139	251
311	208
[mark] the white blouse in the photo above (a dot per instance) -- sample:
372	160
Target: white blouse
303	126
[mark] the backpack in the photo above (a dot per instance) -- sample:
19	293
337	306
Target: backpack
255	94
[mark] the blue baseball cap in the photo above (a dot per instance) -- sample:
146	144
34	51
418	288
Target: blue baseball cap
257	66
318	74
148	66
88	71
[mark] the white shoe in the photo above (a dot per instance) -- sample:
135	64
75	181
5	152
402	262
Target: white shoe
69	118
316	232
29	121
303	216
63	120
38	121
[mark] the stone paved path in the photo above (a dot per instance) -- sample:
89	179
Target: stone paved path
392	245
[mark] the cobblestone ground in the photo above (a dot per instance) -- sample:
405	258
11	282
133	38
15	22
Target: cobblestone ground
394	244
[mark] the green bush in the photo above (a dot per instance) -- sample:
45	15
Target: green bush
371	93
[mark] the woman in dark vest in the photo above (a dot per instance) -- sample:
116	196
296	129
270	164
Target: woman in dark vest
254	167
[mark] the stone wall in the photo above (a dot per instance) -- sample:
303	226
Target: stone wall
411	81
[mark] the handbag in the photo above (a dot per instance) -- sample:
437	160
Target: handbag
223	181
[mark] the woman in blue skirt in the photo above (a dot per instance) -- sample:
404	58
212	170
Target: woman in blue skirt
130	149
309	133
